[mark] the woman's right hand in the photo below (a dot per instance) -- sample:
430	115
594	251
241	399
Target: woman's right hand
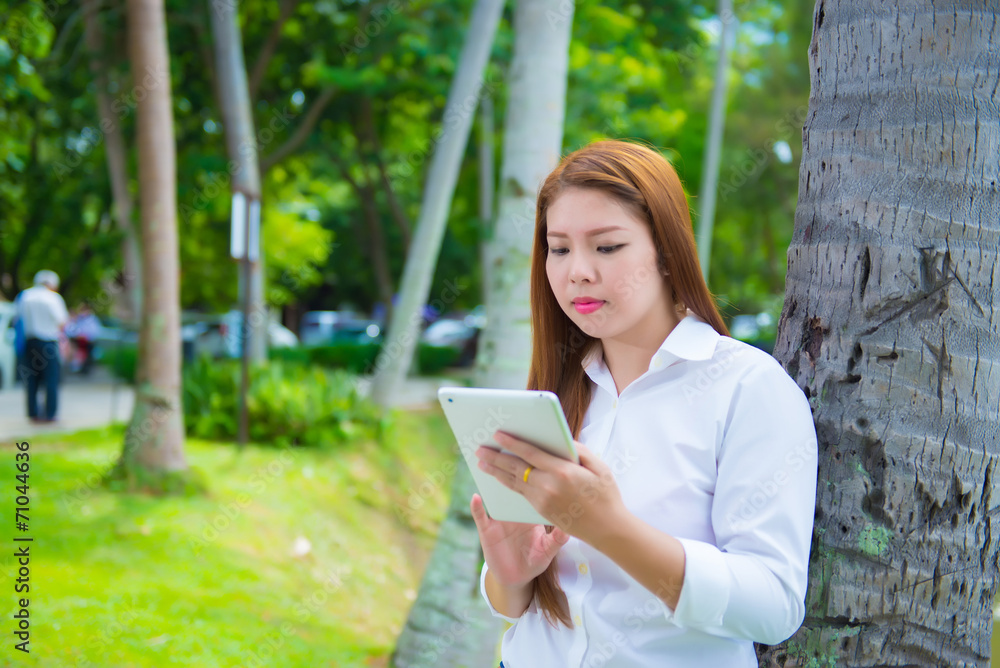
516	553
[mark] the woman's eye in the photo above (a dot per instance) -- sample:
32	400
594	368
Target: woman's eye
609	249
558	251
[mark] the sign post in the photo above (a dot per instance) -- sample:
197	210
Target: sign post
244	246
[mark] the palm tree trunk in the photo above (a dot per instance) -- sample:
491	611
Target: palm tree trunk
401	338
532	145
891	327
155	437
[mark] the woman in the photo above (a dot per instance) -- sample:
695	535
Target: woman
683	537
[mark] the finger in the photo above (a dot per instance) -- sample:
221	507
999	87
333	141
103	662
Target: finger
504	476
589	460
506	462
479	515
528	452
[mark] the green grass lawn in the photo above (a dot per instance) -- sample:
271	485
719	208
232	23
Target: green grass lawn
129	580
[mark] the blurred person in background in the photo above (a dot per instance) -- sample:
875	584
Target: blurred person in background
82	329
42	313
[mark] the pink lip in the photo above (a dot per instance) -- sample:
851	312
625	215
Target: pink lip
587	307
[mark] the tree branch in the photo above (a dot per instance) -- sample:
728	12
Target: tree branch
270	44
398	214
301	133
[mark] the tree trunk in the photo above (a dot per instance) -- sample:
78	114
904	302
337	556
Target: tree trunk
155	437
241	147
531	149
449	614
404	327
713	147
487	188
129	301
890	326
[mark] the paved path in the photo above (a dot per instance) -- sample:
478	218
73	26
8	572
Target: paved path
97	402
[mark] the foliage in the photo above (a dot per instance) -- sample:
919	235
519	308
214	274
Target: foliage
122	361
208	580
287	404
364	86
360	358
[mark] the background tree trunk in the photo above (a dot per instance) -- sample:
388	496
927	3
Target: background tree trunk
449	619
713	147
404	327
890	326
241	147
155	437
532	144
129	301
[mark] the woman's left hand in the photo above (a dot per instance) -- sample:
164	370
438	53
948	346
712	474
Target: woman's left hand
583	500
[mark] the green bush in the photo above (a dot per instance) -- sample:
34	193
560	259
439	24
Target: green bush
354	357
287	404
122	361
434	359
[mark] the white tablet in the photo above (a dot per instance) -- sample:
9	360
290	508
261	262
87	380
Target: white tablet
474	414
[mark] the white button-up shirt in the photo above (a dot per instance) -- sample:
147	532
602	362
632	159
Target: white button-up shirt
43	312
714	445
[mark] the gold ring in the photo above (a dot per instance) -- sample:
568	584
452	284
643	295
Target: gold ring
527	471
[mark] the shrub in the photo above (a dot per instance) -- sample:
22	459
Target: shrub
287	404
122	360
434	359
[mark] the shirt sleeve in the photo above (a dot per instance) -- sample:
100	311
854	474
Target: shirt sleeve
752	583
61	314
482	590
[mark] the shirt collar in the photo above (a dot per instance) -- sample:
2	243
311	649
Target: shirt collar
691	339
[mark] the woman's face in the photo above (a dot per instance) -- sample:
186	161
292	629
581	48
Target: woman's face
602	267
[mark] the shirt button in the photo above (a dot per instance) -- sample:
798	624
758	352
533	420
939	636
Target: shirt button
583	569
614	404
577	621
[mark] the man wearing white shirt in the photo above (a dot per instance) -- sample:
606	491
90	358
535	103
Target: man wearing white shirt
43	314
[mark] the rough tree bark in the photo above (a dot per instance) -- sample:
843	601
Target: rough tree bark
890	326
154	441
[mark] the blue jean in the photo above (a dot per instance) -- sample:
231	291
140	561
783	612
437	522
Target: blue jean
41	363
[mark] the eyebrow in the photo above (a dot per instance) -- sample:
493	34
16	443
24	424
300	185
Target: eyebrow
592	233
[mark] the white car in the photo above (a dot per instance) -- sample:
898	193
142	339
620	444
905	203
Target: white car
8	357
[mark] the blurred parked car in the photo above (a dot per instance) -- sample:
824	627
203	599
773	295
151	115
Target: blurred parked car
8	357
222	335
320	328
459	332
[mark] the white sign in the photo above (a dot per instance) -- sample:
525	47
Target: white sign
238	228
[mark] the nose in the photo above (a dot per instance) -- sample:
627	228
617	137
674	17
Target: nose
581	268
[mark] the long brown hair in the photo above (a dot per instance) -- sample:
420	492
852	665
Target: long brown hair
646	184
